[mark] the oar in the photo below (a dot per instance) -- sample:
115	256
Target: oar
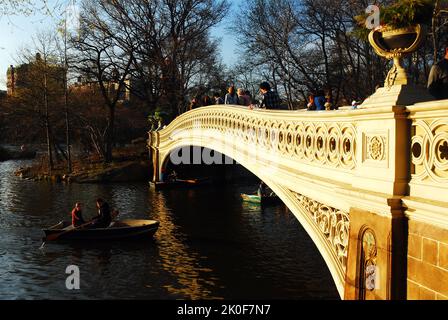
188	181
56	236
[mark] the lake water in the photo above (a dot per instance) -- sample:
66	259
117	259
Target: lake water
209	245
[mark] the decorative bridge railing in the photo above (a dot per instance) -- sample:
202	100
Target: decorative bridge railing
323	164
429	162
311	140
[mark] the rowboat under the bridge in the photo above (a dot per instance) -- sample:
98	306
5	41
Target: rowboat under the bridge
118	230
180	184
262	200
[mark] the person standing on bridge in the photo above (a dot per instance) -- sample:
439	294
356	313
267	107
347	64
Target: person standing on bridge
218	99
243	98
438	78
195	103
270	99
207	101
231	96
319	100
311	106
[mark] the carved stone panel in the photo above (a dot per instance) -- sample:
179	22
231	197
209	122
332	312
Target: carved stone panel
375	149
333	223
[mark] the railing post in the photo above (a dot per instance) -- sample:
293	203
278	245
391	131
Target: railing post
377	264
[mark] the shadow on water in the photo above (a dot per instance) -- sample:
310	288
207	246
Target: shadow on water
210	245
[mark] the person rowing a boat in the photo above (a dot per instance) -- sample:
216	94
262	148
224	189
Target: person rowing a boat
262	189
103	219
77	219
172	177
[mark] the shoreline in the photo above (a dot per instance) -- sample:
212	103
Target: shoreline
129	165
128	171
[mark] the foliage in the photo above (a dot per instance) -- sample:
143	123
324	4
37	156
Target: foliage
301	46
27	7
158	51
401	14
406	13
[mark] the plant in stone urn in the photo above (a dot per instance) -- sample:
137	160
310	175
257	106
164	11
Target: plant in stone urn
401	31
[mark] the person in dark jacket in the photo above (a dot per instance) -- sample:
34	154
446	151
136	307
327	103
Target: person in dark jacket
103	219
270	99
195	103
438	78
319	100
77	219
231	97
207	101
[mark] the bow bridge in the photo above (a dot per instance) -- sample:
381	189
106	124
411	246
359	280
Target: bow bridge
370	186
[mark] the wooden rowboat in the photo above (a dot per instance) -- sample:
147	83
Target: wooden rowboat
265	200
179	183
119	230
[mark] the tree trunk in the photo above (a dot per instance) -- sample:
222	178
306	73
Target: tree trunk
67	120
47	122
67	134
326	60
110	135
434	31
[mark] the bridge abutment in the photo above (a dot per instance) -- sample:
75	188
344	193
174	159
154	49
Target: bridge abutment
376	264
427	262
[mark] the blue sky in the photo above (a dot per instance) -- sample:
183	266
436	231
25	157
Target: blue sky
16	32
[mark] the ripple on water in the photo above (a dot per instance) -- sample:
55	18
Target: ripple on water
209	245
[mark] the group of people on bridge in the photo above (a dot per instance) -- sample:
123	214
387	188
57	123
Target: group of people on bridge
318	100
269	98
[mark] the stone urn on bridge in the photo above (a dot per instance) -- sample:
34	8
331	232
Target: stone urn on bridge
403	30
394	44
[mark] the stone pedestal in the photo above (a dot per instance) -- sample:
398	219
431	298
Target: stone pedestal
397	95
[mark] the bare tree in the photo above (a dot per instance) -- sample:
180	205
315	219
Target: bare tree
40	86
308	45
439	25
169	42
107	65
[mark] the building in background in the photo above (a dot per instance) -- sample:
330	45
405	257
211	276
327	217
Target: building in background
88	86
16	78
29	76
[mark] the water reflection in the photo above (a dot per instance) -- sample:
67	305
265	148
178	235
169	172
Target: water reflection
210	245
178	259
